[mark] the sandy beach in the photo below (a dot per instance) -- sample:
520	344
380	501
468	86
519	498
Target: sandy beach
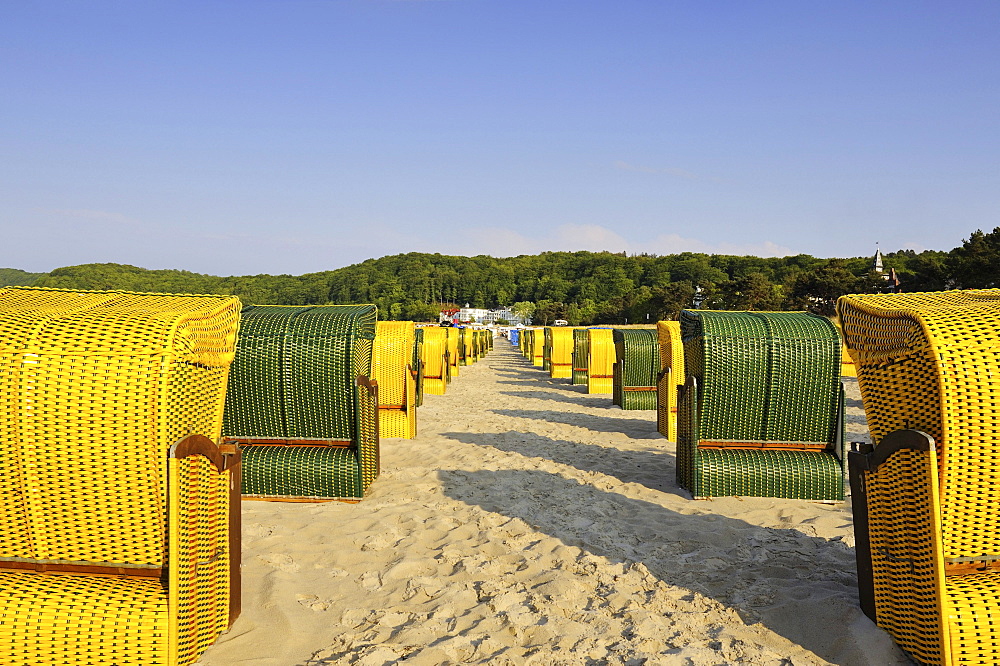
531	523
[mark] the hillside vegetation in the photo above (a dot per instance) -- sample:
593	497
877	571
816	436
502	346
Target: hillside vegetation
581	287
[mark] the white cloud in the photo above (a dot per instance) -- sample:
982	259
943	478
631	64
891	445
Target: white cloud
504	242
675	244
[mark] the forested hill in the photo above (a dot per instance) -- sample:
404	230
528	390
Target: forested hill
582	287
14	276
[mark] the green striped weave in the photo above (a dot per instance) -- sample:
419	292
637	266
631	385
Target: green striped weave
294	377
760	377
637	362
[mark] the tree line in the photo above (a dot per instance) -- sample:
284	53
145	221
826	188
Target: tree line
580	287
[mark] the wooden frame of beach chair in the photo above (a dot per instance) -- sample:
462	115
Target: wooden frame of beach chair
600	361
761	411
926	495
119	512
300	404
670	378
434	354
391	357
561	352
637	364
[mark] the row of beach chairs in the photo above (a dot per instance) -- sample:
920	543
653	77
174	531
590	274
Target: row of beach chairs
130	425
755	403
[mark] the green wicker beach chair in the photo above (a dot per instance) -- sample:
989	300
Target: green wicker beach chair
453	351
417	366
546	348
300	404
637	363
761	412
463	346
580	353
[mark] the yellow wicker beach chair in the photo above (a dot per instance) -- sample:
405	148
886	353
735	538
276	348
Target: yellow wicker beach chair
671	377
561	352
391	355
435	357
601	361
119	513
926	496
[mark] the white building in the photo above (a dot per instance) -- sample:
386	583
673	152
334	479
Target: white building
483	316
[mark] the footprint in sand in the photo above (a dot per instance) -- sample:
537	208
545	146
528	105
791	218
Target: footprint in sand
314	603
257	530
280	561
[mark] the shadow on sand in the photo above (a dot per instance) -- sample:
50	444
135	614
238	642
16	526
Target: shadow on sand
796	585
634	428
651	468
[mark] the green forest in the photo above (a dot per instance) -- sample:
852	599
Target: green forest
580	287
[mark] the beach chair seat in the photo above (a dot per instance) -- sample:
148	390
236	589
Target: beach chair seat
926	493
670	379
761	411
119	511
637	364
300	404
391	359
304	471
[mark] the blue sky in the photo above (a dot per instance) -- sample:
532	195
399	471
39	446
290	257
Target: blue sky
291	136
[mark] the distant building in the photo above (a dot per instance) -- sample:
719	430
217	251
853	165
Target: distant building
877	261
481	316
892	280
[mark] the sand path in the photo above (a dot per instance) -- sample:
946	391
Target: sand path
531	523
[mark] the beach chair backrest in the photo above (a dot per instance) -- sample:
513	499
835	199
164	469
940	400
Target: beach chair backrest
637	351
296	369
433	353
931	362
601	352
561	353
95	387
764	377
668	334
393	351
